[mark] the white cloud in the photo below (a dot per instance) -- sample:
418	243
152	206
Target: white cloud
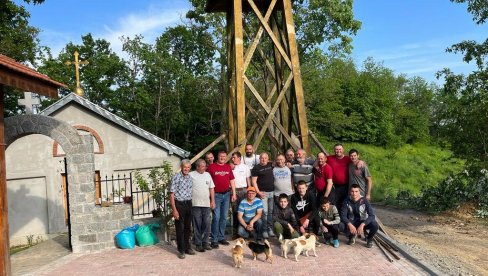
150	24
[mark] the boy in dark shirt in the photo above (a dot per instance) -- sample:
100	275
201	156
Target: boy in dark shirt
285	222
303	204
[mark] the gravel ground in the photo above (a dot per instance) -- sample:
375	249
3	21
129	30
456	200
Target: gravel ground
454	243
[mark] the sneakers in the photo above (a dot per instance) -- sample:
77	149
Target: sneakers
181	255
336	243
206	246
190	252
369	243
326	241
352	240
215	245
224	242
200	248
271	233
265	235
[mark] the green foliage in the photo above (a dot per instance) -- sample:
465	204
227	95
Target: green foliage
157	184
401	173
470	185
369	105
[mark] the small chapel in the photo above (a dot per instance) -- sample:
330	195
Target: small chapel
36	167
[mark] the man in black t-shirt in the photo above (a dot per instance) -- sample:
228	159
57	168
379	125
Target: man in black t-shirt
263	180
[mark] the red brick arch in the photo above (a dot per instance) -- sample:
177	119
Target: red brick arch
101	147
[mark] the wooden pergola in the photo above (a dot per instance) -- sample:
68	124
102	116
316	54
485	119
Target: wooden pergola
18	76
265	94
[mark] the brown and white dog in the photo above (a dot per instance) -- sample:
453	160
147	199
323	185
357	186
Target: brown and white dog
287	245
304	245
265	248
238	252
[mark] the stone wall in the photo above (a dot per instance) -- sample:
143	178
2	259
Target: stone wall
92	227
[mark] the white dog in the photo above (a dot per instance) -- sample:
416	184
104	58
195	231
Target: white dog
287	245
304	245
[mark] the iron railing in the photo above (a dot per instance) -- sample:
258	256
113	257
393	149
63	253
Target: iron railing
119	189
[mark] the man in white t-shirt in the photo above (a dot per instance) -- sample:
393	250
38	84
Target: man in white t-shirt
242	174
203	198
250	159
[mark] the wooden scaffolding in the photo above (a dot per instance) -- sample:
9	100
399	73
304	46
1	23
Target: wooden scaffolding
264	89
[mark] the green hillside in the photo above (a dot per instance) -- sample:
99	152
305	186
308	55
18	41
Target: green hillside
406	169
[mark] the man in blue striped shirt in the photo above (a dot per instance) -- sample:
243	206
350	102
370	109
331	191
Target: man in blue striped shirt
249	215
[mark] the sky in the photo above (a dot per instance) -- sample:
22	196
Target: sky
407	36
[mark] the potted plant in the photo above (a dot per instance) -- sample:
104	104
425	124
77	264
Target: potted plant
157	184
118	195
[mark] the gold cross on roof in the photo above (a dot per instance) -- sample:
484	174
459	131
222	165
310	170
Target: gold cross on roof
77	64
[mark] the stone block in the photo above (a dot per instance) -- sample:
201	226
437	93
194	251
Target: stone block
88	238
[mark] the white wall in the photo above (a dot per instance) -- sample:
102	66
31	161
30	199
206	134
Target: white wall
31	158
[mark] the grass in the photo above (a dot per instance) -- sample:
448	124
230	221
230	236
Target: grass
406	169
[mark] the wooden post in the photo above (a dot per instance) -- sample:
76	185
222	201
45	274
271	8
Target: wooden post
297	79
4	238
230	89
239	62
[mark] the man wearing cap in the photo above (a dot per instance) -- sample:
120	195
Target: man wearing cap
249	215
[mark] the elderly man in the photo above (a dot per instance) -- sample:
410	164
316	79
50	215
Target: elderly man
180	198
225	191
250	159
360	175
322	177
203	200
357	217
263	180
242	180
249	216
290	158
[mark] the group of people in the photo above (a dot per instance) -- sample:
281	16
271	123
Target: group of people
291	196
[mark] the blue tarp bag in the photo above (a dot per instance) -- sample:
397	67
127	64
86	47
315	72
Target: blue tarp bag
126	239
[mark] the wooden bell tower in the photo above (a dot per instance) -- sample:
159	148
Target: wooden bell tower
265	95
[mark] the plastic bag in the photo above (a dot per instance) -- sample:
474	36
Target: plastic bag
146	236
126	239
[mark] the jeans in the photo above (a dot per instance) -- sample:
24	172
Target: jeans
332	230
339	195
371	228
257	233
201	224
241	194
268	206
219	218
183	225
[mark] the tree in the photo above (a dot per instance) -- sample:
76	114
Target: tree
461	114
99	79
19	41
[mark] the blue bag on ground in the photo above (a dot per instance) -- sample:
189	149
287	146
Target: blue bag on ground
146	235
126	239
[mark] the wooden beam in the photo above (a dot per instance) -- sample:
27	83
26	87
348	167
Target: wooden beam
210	146
230	89
4	226
239	62
297	79
261	120
259	33
317	143
270	32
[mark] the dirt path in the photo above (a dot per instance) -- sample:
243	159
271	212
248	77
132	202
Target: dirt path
455	243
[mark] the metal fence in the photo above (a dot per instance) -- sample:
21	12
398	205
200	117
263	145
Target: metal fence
119	189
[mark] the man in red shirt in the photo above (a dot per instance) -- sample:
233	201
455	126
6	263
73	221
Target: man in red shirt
225	191
340	169
322	177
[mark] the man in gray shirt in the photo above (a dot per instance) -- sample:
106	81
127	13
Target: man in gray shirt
302	169
360	175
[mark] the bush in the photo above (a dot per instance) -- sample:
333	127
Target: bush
471	185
